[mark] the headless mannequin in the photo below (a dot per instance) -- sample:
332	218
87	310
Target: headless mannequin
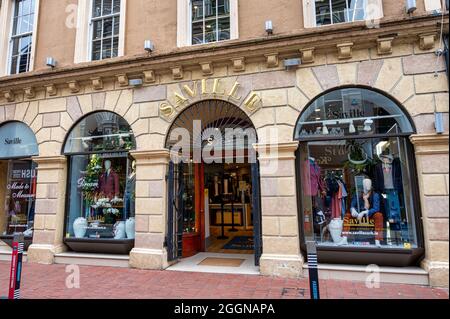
109	183
366	207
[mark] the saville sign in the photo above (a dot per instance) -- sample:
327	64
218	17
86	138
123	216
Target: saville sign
208	88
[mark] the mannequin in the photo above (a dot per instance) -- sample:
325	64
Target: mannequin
368	204
109	182
130	189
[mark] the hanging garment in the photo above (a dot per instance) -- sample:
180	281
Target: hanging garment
393	207
311	178
396	172
336	203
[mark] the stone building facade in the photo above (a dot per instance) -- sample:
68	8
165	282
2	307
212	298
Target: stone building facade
397	59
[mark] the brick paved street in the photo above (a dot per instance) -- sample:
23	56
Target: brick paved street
42	281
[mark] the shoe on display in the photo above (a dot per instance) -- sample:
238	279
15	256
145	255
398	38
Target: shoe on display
377	243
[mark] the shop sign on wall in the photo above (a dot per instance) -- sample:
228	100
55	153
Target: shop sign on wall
17	140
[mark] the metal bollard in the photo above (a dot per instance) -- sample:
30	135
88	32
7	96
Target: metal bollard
16	267
313	269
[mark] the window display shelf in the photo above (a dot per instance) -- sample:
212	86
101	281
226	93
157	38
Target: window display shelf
100	245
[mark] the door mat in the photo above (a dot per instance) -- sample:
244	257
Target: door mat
221	262
240	243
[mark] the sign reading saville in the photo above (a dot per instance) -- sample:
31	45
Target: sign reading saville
208	89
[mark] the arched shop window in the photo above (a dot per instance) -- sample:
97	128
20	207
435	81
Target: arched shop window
100	202
356	172
18	181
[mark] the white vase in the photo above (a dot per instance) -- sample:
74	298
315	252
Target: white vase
119	230
129	227
335	228
79	227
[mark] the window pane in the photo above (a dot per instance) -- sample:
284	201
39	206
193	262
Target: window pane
106	50
224	7
107	27
107	7
20	201
210	31
115	51
197	33
197	10
97	31
339	10
356	10
101	197
224	29
210	8
15	26
15	46
23	64
25	45
26	24
26	7
354	193
116	25
116	7
14	60
96	50
323	14
97	8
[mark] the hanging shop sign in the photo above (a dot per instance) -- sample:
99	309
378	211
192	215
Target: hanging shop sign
17	141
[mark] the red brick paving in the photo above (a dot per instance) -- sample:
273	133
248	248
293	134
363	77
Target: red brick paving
48	281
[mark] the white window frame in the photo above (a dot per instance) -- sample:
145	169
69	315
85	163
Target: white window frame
83	39
309	13
184	23
6	28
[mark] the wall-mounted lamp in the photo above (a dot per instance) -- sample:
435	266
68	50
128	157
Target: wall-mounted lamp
51	62
439	122
135	82
149	46
411	6
269	27
292	63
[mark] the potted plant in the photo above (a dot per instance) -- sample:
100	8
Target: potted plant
358	160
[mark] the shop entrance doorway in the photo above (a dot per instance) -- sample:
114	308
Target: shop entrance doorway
213	203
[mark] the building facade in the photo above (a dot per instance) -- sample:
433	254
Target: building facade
343	106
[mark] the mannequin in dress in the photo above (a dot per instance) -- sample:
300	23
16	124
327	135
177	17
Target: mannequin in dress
109	182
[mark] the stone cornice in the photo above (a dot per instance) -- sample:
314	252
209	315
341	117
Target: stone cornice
321	38
143	156
49	162
429	144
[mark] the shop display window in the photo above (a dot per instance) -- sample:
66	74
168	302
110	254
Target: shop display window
101	196
20	198
355	171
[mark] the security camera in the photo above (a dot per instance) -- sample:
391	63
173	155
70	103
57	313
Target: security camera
51	62
269	27
149	46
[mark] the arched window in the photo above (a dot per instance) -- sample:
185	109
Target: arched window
357	178
19	176
100	206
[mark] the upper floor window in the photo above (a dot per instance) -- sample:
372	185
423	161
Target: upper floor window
338	11
22	35
105	24
206	21
210	21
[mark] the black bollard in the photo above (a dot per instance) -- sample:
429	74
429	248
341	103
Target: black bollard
313	269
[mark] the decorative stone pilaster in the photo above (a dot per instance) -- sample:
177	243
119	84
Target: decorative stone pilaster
151	202
432	157
50	208
280	232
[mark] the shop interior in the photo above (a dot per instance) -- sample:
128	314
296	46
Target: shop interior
217	215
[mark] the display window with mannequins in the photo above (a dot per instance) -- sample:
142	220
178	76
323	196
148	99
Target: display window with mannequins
357	201
101	192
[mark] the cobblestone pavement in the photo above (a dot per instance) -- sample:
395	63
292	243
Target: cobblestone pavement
49	281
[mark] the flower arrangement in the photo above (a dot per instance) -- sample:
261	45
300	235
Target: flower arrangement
90	184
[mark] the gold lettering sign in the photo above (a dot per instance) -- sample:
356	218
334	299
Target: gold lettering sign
252	101
216	87
233	91
192	92
180	99
166	109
